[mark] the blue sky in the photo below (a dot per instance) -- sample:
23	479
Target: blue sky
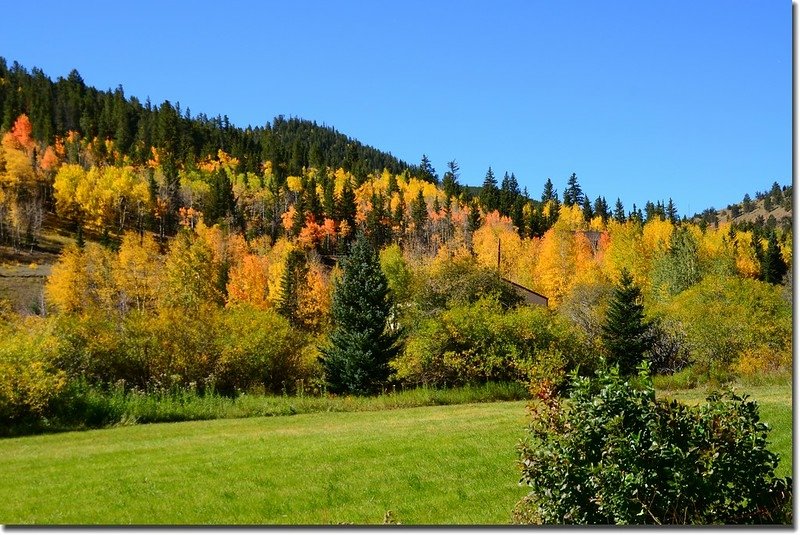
686	99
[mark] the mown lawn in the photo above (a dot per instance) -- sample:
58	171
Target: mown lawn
426	465
430	465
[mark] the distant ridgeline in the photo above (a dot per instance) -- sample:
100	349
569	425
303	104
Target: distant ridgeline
106	162
68	104
770	210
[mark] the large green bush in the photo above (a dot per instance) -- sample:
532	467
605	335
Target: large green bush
230	350
728	318
259	349
614	454
479	342
29	379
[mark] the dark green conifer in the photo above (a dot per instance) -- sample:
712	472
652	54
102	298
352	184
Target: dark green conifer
624	333
773	266
356	361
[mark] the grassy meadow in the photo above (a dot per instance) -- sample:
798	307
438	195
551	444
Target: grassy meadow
431	465
425	465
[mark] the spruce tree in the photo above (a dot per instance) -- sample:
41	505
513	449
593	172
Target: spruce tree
450	180
293	283
356	360
625	330
489	194
773	267
619	212
573	194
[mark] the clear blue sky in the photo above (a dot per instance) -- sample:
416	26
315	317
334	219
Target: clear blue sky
689	99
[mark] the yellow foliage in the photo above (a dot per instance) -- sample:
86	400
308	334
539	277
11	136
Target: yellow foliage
484	243
763	360
294	183
745	257
67	285
570	218
314	303
624	251
248	282
597	224
137	270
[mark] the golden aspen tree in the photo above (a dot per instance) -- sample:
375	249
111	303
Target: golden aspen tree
248	282
137	271
67	287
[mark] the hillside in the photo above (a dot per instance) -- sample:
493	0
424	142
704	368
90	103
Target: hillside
772	208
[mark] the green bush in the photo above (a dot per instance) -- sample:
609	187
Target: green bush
727	318
259	349
479	342
29	379
459	281
613	454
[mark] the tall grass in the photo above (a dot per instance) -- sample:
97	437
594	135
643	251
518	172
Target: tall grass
86	407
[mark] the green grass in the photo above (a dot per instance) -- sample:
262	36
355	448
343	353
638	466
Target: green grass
84	407
775	406
430	465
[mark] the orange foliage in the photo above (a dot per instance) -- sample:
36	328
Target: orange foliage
248	282
49	159
21	132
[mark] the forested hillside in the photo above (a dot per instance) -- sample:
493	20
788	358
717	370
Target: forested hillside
224	245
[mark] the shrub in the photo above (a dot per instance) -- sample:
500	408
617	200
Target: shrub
459	281
613	454
479	342
726	317
259	348
29	379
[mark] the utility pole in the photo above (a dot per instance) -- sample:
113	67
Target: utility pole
498	255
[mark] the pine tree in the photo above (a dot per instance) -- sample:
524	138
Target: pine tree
588	213
474	220
549	193
625	330
293	281
619	212
427	172
773	267
356	361
450	180
672	212
346	207
573	194
490	194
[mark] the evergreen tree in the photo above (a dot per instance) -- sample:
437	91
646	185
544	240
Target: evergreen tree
773	267
356	361
490	194
601	208
222	200
346	209
419	216
293	283
573	194
619	212
328	199
747	204
474	220
549	193
450	180
588	213
672	212
427	172
624	333
311	199
376	223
